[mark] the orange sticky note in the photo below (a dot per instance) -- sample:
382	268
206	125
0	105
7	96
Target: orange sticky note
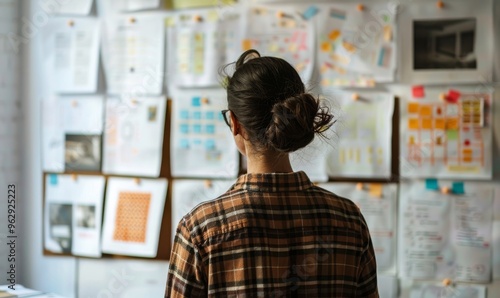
413	123
425	110
413	107
376	190
246	44
426	123
326	47
334	34
439	123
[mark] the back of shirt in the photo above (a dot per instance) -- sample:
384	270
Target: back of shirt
273	235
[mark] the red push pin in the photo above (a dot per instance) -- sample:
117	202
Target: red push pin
440	4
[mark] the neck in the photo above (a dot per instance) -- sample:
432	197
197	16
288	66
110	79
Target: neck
268	163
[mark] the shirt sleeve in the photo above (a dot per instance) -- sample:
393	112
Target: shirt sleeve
367	269
185	273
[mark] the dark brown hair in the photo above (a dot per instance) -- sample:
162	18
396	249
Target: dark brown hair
267	96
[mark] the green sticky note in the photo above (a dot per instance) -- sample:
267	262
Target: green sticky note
452	135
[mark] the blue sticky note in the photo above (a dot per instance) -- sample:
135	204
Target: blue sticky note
210	129
196	101
457	188
184	144
184	128
310	12
197	141
53	179
210	144
220	117
431	184
184	114
197	115
209	115
197	128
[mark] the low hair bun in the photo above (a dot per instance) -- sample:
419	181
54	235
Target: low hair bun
294	122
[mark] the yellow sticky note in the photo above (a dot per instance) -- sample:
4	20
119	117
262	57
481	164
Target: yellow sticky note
349	47
413	123
212	16
326	47
413	107
376	190
387	33
169	22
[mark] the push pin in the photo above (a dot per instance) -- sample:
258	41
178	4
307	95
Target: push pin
74	177
440	4
204	100
360	7
446	282
197	18
137	181
280	14
445	190
359	186
132	20
355	96
442	96
134	101
208	184
74	103
71	23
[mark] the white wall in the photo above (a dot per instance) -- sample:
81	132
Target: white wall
58	274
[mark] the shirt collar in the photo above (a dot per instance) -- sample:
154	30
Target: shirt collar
273	182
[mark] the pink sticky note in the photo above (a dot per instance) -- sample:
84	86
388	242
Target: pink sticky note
418	91
453	96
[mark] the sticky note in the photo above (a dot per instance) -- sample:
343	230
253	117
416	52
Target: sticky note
426	123
210	129
197	115
333	35
457	188
453	96
376	190
413	123
439	123
184	128
431	184
413	108
184	144
197	128
326	47
387	33
338	14
209	144
452	135
425	110
196	101
418	91
310	12
209	115
53	179
184	115
246	44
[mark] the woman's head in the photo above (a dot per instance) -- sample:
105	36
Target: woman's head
267	98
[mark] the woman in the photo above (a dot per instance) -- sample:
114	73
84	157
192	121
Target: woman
273	234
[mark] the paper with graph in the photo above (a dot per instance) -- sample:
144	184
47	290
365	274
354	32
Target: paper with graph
448	138
133	216
445	235
434	290
364	129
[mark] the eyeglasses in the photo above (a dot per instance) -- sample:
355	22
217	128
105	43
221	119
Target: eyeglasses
226	117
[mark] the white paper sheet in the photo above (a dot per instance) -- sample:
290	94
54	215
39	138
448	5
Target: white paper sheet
313	159
73	7
364	129
445	235
73	212
133	216
356	48
429	290
289	37
133	52
496	233
187	194
479	49
200	48
133	139
72	127
130	278
202	145
441	138
72	49
379	214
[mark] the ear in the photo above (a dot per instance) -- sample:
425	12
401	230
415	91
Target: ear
236	127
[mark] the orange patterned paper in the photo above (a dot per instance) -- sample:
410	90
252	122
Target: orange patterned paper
132	216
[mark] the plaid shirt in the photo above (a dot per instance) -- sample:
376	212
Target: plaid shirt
273	235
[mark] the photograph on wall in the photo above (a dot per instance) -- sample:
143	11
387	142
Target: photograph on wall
444	44
85	216
61	216
82	152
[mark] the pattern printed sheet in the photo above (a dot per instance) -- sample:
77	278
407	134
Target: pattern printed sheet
448	138
133	216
